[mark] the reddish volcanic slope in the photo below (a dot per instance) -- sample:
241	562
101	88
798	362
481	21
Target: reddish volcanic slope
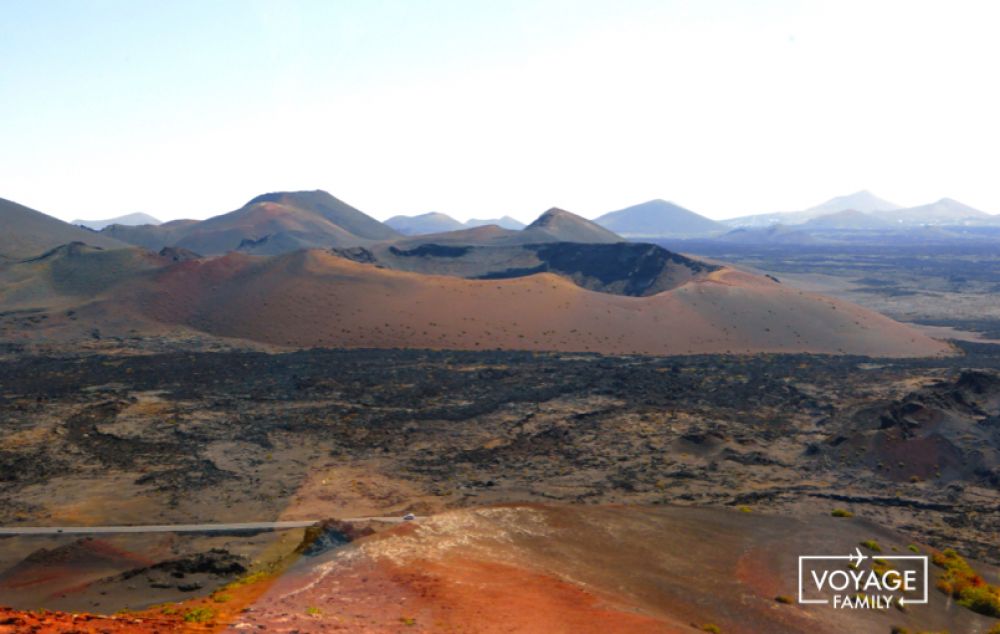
23	622
317	298
534	568
314	298
556	568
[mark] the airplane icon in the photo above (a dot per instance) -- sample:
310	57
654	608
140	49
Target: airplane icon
857	557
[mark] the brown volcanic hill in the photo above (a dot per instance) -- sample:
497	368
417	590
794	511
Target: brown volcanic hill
71	273
314	298
422	224
609	298
594	569
283	222
47	572
26	233
927	433
559	225
482	236
336	211
267	225
555	225
267	228
621	268
152	237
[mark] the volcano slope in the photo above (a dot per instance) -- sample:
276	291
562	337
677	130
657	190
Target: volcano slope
61	296
315	298
27	233
614	298
552	568
635	270
268	224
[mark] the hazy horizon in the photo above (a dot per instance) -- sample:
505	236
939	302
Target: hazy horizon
526	219
191	109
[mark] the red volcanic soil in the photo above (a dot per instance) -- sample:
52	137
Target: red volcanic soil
454	594
22	622
313	298
536	568
547	568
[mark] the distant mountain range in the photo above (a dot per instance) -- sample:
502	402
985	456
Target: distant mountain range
559	225
555	225
661	219
652	219
435	222
432	222
658	219
130	220
278	223
848	219
269	224
506	222
862	211
944	211
863	201
282	222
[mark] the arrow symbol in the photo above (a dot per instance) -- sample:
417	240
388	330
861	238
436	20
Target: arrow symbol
857	557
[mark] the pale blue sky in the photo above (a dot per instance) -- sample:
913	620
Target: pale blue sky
188	109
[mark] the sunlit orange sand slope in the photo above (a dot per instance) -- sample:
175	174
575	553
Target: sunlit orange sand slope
313	298
586	569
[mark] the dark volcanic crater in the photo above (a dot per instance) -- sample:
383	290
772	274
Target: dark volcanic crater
622	268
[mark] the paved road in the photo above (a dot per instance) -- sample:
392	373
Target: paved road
176	528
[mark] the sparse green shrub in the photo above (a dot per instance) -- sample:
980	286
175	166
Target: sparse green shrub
711	628
200	614
871	544
313	611
913	548
841	513
248	579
